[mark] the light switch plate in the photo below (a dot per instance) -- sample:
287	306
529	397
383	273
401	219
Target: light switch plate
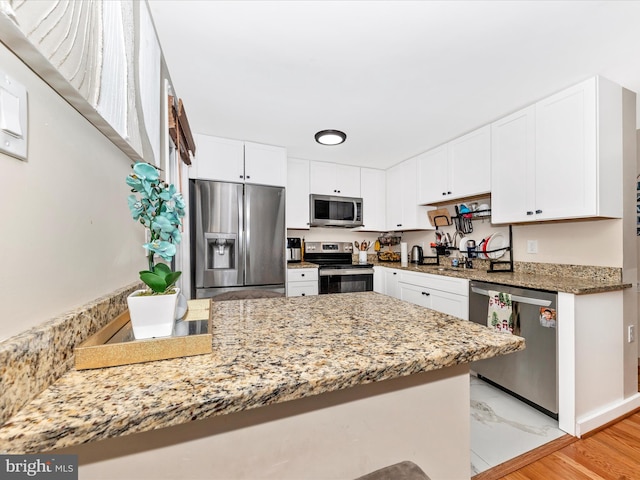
13	117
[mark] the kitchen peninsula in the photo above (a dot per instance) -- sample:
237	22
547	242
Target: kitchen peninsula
331	386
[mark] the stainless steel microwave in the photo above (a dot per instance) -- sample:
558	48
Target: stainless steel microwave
330	211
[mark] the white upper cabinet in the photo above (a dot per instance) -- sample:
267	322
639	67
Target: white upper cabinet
265	164
470	158
513	164
433	175
373	192
560	158
218	159
403	211
297	199
458	169
334	179
228	160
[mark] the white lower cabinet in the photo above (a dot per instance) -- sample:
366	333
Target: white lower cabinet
444	302
385	280
302	282
444	294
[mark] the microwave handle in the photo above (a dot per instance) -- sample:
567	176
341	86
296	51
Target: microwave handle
355	212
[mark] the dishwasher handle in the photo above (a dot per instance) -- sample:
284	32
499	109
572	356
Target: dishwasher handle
516	298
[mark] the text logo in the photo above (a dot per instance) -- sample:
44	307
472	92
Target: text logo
39	467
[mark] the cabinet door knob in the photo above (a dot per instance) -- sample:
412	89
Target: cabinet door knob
241	176
302	274
398	225
444	193
248	176
426	293
529	212
303	294
538	211
395	273
448	193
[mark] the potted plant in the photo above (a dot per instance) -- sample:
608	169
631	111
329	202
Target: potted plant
159	208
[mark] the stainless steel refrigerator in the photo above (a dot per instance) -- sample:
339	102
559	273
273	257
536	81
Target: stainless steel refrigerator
238	238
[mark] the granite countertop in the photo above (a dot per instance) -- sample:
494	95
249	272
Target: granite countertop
294	265
575	279
265	351
578	285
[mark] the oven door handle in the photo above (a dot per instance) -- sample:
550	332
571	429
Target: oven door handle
327	272
516	298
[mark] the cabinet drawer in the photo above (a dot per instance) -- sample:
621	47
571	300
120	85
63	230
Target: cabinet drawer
458	286
302	274
438	300
302	289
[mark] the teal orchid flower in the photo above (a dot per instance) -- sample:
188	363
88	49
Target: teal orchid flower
164	249
135	206
159	207
162	224
146	171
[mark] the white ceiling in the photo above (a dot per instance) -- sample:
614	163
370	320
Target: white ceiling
399	77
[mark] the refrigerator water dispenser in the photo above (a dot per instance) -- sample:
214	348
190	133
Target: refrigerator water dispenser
221	251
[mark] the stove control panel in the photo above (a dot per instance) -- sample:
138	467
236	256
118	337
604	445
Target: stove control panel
328	247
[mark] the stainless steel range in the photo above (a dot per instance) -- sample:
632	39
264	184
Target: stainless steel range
337	272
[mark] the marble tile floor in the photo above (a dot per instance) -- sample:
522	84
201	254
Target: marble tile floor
503	427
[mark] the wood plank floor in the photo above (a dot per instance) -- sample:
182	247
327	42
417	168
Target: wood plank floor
610	454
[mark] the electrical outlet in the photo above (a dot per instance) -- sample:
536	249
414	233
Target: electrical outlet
532	246
631	334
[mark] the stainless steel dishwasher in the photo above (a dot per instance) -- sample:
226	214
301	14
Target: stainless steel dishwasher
531	374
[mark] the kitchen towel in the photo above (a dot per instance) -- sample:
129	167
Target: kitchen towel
404	254
502	316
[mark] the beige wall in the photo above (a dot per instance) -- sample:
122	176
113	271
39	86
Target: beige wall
584	242
66	235
588	242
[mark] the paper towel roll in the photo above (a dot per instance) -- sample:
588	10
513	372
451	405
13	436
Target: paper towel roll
404	254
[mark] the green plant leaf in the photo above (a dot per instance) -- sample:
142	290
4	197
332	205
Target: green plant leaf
172	278
162	270
154	282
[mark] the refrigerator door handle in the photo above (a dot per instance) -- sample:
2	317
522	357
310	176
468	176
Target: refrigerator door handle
516	298
246	221
242	234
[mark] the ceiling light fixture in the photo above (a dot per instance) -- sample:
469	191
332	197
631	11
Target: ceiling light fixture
330	137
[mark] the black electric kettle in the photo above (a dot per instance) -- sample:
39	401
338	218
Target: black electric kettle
417	255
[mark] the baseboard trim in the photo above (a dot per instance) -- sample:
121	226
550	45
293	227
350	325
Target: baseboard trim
525	459
598	421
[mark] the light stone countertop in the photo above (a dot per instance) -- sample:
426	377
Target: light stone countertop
296	265
265	351
578	285
578	280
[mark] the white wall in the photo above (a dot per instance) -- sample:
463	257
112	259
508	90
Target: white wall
67	236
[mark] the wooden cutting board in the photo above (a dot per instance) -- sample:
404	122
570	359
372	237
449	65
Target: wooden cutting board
439	217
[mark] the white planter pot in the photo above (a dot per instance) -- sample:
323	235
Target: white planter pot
152	315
